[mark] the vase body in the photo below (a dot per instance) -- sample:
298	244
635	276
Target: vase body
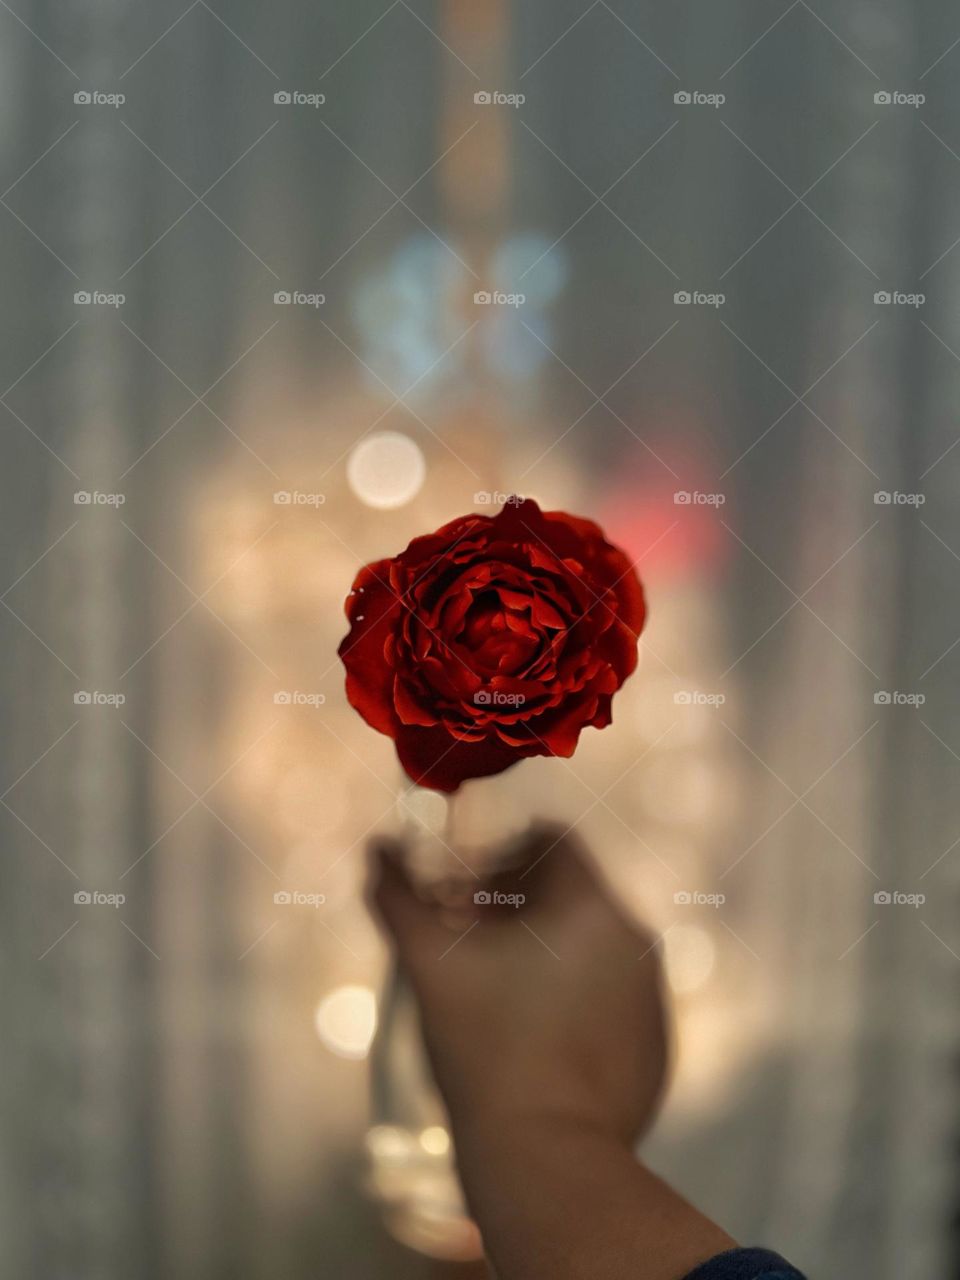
412	1163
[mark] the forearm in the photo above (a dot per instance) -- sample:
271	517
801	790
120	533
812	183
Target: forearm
559	1199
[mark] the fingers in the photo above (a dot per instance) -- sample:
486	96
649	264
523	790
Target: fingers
389	891
411	923
547	871
554	868
556	877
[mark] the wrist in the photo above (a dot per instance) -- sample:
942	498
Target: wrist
510	1126
559	1194
512	1101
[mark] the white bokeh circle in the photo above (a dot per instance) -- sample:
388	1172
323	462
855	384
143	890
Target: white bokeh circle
386	470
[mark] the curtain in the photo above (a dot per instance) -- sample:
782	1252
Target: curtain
792	741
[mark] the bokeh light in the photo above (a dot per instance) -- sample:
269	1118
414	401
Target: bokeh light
689	957
386	470
346	1021
435	1140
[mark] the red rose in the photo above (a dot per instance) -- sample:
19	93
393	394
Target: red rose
493	639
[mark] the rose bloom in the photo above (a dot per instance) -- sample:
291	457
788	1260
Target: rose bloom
494	639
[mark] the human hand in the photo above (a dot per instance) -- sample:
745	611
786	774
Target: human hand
550	1008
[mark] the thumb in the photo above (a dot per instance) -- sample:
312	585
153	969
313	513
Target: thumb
410	922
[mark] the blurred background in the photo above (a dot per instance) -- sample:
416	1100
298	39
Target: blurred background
287	285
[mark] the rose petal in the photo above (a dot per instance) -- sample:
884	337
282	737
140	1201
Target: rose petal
433	758
365	651
408	708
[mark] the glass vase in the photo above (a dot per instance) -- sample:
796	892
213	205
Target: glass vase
451	841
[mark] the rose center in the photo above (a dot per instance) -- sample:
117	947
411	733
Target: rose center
500	640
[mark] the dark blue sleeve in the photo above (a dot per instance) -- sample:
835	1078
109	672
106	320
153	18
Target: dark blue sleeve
746	1264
